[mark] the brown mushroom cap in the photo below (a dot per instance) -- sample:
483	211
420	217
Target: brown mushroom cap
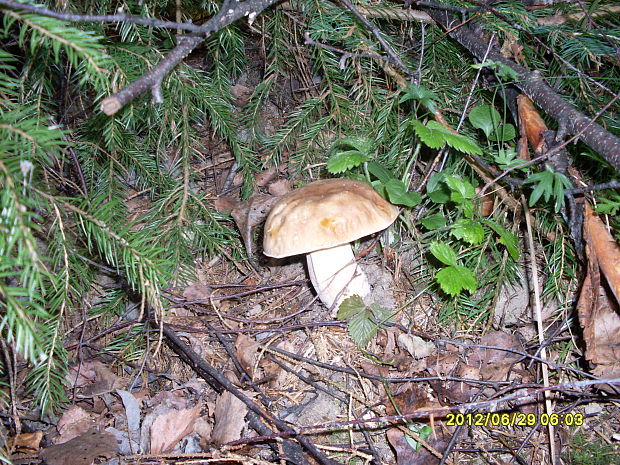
325	214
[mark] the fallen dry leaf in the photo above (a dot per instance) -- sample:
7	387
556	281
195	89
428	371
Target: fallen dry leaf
106	381
197	291
598	303
81	374
82	450
606	250
225	204
170	427
494	364
409	399
415	345
74	422
245	350
280	187
241	93
229	416
28	441
265	177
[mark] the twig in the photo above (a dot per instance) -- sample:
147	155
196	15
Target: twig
539	326
457	432
220	383
488	405
116	18
573	121
230	12
596	187
345	55
318	387
394	58
615	161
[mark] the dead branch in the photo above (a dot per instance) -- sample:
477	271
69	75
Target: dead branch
231	11
116	18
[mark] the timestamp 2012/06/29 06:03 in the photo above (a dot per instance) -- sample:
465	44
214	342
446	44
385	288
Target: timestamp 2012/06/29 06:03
514	419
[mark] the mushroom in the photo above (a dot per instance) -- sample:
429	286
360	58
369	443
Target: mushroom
320	219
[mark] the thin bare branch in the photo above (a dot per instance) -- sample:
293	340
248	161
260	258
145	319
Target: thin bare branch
116	18
230	12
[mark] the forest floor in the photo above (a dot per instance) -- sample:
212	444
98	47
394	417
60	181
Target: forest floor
426	390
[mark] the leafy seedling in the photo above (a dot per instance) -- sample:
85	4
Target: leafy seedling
548	184
363	321
452	279
436	136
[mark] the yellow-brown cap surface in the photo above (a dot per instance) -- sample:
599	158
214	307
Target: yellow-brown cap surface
325	214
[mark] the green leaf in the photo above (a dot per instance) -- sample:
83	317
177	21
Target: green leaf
469	231
503	133
453	279
506	238
467	207
397	194
380	313
456	141
434	139
379	172
379	187
443	252
420	430
461	190
421	93
608	206
485	117
359	143
350	307
548	184
345	161
507	158
434	222
503	71
436	188
362	328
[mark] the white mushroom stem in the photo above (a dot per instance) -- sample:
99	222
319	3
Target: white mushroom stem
335	275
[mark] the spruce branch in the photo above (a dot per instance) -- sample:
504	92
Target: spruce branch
230	12
393	56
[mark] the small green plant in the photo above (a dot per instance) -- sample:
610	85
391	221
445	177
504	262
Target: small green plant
364	321
435	135
459	195
609	205
453	278
584	451
488	119
351	152
548	184
503	72
421	431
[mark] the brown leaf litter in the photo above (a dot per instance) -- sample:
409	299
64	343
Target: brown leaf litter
598	301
